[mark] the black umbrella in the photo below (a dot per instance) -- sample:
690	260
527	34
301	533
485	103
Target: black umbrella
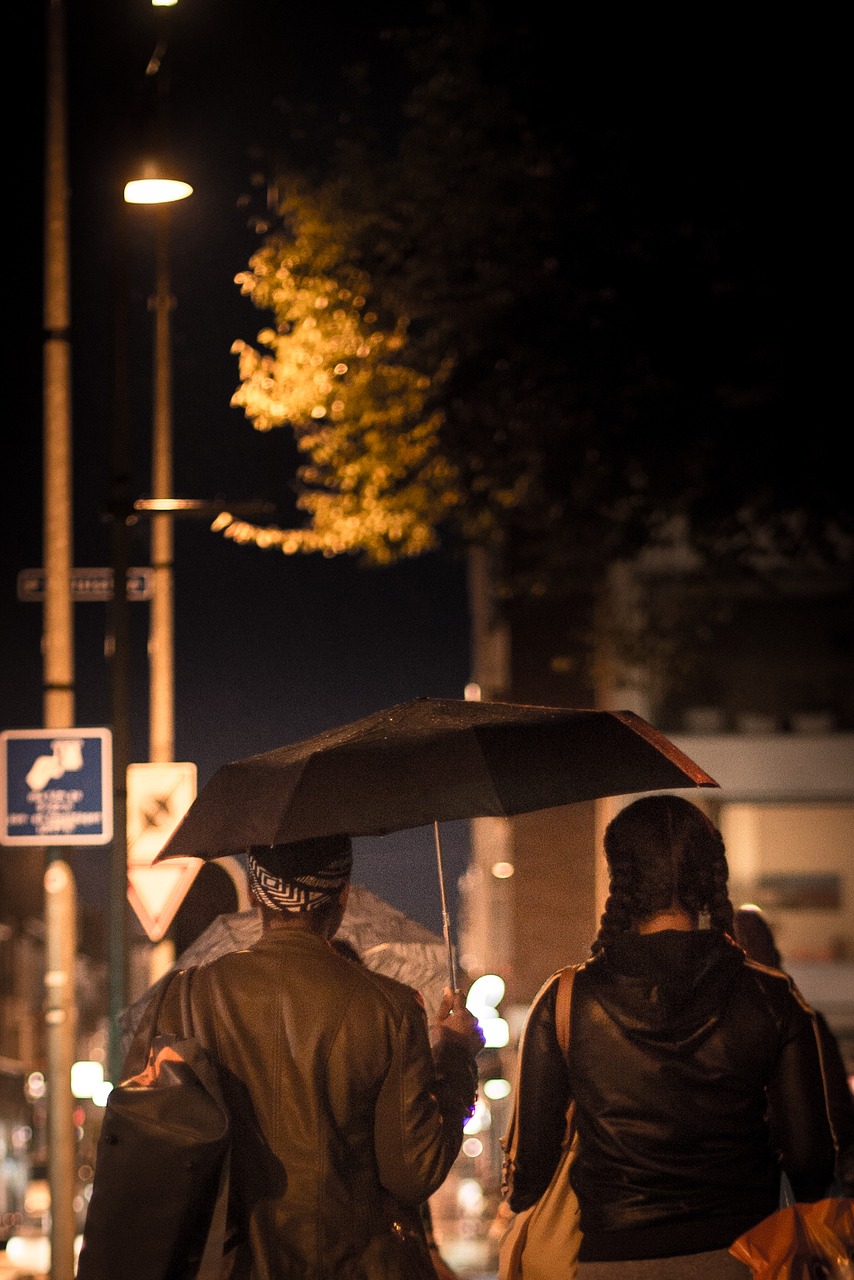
428	761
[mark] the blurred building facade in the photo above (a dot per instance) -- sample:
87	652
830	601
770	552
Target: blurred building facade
763	700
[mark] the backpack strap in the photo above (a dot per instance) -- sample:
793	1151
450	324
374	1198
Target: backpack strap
563	1003
563	1000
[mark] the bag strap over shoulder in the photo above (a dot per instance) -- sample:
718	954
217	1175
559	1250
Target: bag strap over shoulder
142	1044
563	1005
186	1005
563	1001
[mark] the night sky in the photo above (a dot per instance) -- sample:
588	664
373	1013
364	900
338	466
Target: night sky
269	648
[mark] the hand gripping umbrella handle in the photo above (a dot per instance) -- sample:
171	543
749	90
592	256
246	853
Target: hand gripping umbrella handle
446	919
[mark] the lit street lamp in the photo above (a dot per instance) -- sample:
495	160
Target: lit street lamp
151	189
154	189
162	508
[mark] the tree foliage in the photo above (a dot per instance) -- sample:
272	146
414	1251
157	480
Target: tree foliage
542	306
333	368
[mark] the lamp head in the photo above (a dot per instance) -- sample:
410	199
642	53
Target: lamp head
156	186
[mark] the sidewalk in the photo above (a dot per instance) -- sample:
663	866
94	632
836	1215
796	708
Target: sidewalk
471	1259
465	1261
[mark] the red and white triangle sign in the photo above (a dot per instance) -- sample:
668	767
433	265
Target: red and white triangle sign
158	797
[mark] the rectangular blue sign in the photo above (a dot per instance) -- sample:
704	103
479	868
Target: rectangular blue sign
56	786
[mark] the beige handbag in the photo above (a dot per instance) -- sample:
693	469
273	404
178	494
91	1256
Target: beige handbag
542	1242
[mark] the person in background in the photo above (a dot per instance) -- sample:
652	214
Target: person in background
753	932
695	1075
347	1109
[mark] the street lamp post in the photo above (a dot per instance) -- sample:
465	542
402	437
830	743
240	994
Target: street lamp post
58	642
162	508
148	190
120	514
153	189
161	709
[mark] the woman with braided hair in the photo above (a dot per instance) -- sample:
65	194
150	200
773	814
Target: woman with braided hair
694	1072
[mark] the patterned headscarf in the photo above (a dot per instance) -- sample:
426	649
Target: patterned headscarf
300	876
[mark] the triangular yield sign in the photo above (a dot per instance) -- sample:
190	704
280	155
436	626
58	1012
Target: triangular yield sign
158	797
156	893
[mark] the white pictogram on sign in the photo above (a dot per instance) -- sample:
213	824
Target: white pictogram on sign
66	757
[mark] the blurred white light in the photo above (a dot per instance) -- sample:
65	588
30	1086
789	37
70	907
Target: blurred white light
503	870
36	1086
481	1118
470	1195
496	1033
486	991
484	995
156	191
496	1089
472	1147
85	1078
101	1093
472	693
30	1254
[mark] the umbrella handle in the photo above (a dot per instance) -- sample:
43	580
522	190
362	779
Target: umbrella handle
446	919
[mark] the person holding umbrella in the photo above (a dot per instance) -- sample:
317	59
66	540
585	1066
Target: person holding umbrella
347	1110
695	1075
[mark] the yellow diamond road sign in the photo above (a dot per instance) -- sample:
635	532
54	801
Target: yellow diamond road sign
158	796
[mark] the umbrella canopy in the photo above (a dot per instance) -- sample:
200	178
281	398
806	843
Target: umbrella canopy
386	939
390	942
427	761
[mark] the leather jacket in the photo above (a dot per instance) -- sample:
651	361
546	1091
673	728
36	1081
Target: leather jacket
696	1078
344	1121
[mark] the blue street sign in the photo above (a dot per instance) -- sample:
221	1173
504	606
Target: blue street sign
56	786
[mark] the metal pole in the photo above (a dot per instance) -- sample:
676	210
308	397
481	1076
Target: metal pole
60	1022
161	635
58	633
58	637
121	506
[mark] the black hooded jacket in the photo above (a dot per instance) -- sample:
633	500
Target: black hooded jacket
696	1078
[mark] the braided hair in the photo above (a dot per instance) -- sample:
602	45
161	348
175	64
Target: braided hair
663	853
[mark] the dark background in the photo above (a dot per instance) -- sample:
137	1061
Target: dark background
268	648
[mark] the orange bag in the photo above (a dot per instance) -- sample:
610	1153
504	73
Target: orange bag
801	1242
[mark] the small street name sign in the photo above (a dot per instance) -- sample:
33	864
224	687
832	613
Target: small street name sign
88	584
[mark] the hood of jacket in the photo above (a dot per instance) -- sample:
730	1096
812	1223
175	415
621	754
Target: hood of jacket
667	989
